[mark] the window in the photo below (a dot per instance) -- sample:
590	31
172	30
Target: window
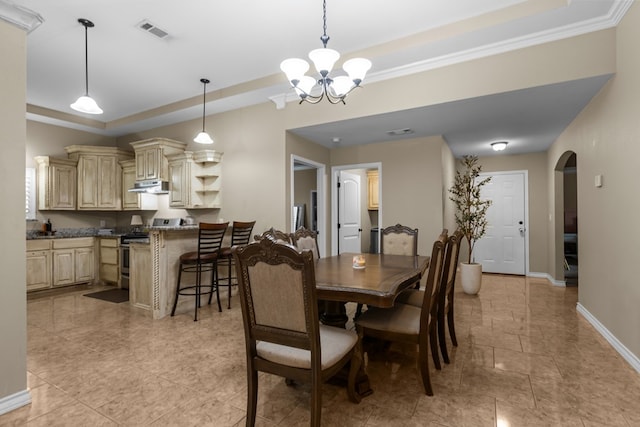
30	190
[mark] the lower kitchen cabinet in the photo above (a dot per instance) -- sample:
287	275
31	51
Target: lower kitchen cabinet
110	260
38	264
73	261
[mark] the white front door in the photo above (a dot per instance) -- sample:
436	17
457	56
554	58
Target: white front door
349	213
502	249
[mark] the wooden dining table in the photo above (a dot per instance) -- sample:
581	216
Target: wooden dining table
377	284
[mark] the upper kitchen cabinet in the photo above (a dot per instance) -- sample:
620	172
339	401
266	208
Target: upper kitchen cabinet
195	179
151	157
56	183
132	201
99	176
372	185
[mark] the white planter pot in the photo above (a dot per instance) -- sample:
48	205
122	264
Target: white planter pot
470	277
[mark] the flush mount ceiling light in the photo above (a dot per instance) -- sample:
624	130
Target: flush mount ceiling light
203	137
86	104
499	146
335	89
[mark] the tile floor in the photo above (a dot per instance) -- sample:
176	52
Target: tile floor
525	358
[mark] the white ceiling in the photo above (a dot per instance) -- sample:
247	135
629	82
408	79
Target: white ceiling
142	82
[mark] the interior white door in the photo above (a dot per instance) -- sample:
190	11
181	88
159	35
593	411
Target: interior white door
350	228
502	249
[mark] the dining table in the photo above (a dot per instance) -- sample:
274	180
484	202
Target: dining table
376	281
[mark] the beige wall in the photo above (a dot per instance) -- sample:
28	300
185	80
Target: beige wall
536	166
13	312
605	138
305	181
411	176
448	177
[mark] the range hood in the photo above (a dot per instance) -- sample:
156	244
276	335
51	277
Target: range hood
151	186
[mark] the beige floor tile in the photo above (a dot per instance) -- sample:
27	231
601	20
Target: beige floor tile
524	357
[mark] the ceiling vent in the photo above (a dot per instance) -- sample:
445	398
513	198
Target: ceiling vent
399	132
150	28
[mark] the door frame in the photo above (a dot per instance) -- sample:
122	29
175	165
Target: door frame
335	172
321	199
526	210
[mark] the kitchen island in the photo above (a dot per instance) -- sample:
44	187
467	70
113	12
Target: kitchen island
154	269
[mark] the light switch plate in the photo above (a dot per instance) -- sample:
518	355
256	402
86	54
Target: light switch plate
598	181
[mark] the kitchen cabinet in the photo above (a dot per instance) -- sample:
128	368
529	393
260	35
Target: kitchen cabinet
38	264
109	269
195	179
141	275
73	261
130	200
99	176
56	183
151	160
372	186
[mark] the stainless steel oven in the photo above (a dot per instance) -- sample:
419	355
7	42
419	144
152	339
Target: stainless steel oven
125	251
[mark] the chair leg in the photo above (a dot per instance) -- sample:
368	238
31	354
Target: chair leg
433	339
452	326
229	282
316	401
252	396
423	363
198	290
442	338
216	280
175	300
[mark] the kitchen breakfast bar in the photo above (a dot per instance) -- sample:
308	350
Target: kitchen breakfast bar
154	269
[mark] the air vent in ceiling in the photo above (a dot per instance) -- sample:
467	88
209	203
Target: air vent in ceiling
399	132
150	28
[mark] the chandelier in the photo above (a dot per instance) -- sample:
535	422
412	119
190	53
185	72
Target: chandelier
335	89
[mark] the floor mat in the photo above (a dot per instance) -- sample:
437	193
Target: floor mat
111	295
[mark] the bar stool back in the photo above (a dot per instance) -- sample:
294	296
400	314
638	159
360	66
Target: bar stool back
204	259
240	236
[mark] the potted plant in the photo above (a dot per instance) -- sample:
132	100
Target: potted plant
471	217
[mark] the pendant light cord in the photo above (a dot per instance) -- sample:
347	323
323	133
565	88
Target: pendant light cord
86	62
324	37
204	94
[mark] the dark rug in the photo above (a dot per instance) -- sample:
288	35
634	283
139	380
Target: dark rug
111	295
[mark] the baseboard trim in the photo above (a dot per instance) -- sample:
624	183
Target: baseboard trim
14	401
554	282
631	358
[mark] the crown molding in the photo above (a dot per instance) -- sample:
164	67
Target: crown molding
19	16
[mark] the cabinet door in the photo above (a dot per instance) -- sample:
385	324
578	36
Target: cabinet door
108	183
63	187
38	270
373	198
141	164
130	201
179	184
84	265
63	267
152	163
88	182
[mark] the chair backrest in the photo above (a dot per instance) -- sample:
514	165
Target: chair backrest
210	237
274	235
241	232
277	288
434	277
450	266
306	240
399	240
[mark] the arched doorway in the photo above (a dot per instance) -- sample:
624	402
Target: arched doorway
566	207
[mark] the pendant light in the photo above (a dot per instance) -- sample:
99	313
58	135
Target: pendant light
335	89
86	104
203	137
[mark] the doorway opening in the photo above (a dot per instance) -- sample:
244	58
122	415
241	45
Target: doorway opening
570	231
351	231
308	182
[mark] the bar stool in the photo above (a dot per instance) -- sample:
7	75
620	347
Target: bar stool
240	235
200	261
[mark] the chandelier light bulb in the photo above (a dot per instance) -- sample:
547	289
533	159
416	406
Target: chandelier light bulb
341	85
305	85
357	68
323	59
294	68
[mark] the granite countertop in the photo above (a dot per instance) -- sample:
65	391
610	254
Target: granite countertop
176	228
67	233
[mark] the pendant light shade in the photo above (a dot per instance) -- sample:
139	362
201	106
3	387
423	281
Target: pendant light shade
203	137
86	104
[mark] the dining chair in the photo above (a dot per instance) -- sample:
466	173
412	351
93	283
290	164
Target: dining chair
305	239
283	336
277	235
445	296
240	235
204	259
397	240
409	324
